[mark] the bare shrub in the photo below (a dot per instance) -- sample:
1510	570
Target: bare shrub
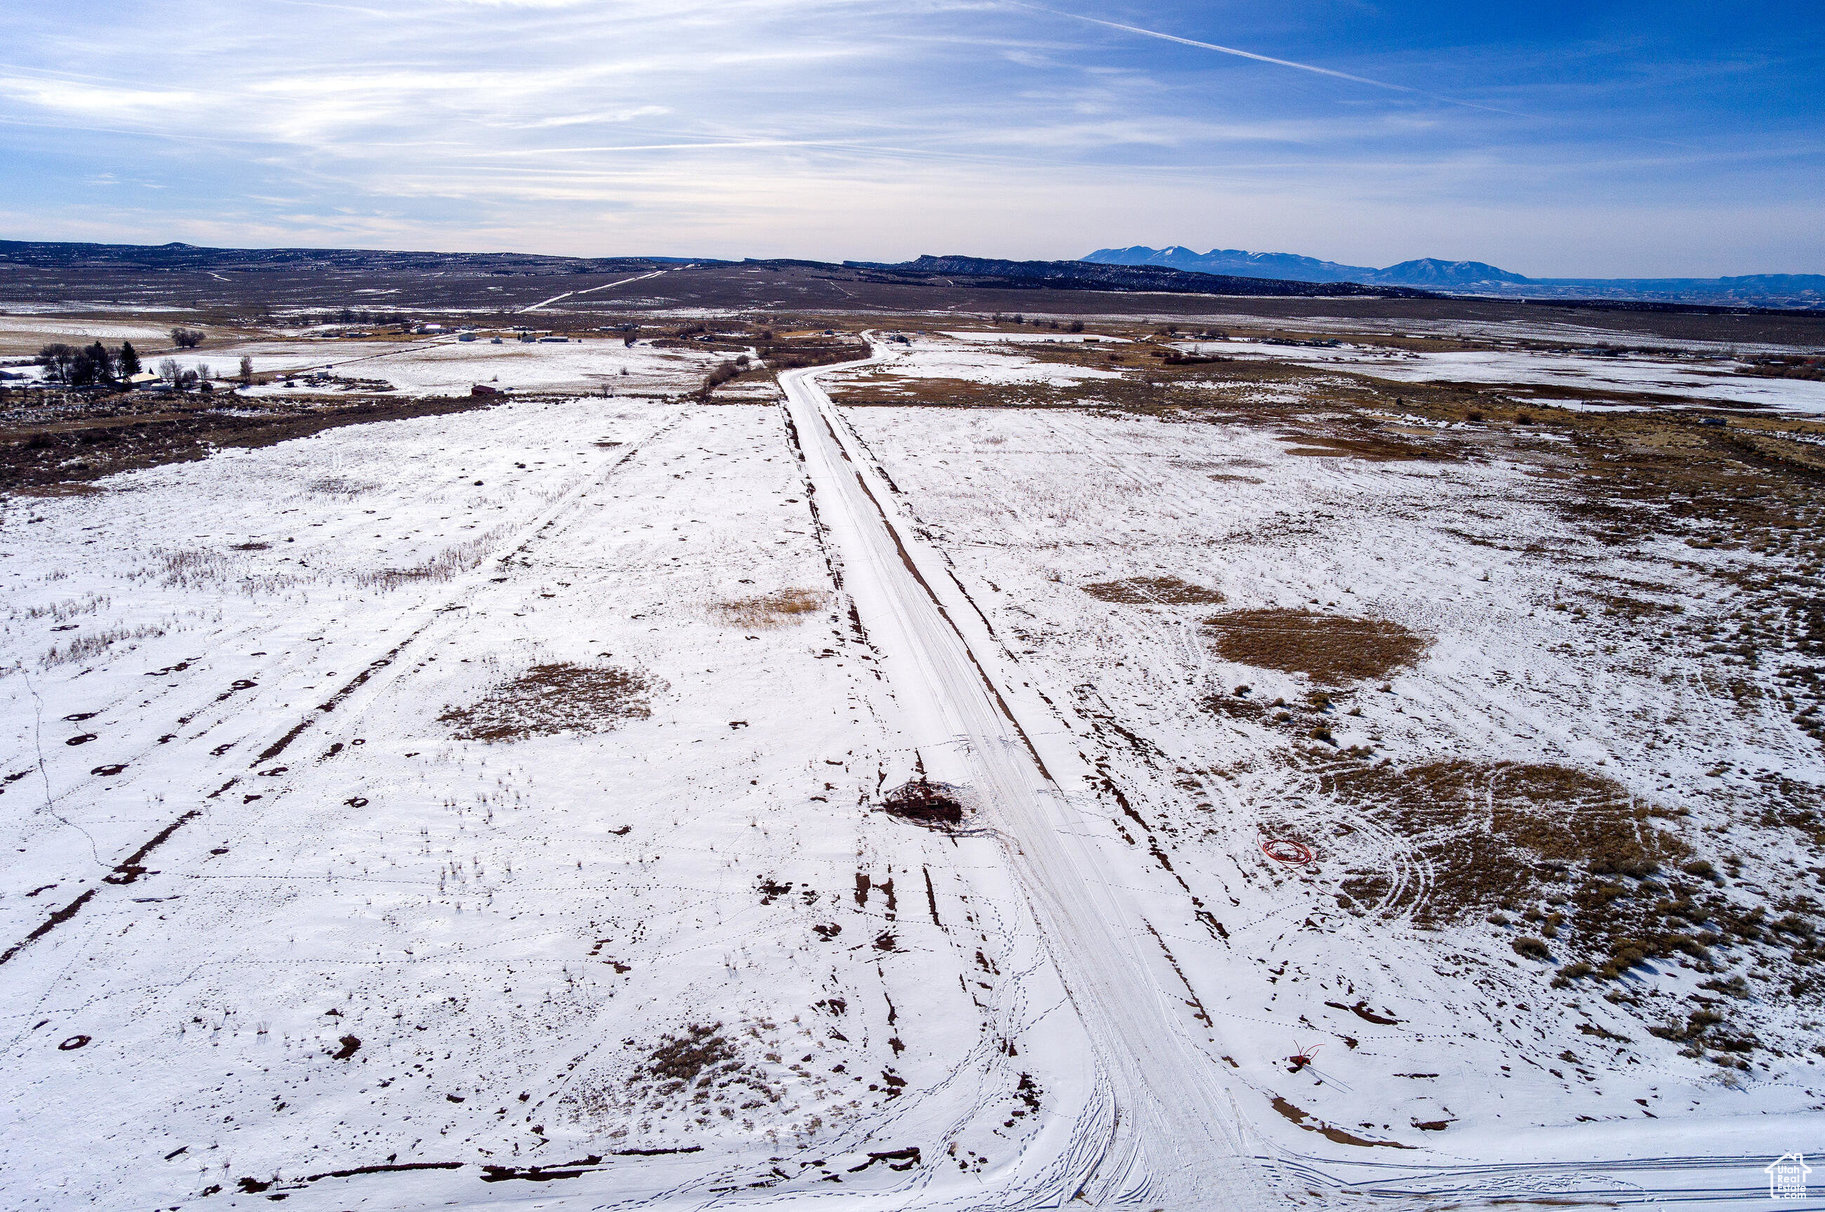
925	803
444	566
65	610
190	569
682	1059
340	486
85	647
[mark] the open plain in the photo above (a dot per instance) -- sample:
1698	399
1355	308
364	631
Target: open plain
775	747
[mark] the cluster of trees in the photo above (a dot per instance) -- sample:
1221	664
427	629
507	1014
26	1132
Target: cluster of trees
98	366
87	365
186	338
185	380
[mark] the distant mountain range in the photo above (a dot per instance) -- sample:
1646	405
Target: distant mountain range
1478	277
1116	276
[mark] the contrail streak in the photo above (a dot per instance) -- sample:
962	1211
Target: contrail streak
1292	63
1230	50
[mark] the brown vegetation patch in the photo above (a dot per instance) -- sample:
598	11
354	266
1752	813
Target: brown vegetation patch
772	610
1331	648
1494	834
1582	877
551	699
792	350
682	1059
1154	591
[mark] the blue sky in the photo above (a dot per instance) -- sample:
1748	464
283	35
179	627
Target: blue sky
1551	138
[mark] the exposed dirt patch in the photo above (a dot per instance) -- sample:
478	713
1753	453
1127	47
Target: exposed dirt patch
1373	446
1335	1135
776	609
1152	591
555	698
1332	648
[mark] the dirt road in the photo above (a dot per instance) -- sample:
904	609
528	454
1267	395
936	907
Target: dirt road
1174	1139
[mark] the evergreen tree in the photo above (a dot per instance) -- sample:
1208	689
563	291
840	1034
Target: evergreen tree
128	360
102	361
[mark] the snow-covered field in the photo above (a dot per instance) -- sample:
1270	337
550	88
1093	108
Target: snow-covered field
967	357
485	810
1714	381
23	334
447	366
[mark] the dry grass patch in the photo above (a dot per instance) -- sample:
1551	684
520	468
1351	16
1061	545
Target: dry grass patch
1332	648
551	699
775	609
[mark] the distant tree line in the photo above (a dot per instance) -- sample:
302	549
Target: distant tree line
999	318
350	315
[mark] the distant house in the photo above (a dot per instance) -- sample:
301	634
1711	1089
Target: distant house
482	389
144	378
467	336
554	340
